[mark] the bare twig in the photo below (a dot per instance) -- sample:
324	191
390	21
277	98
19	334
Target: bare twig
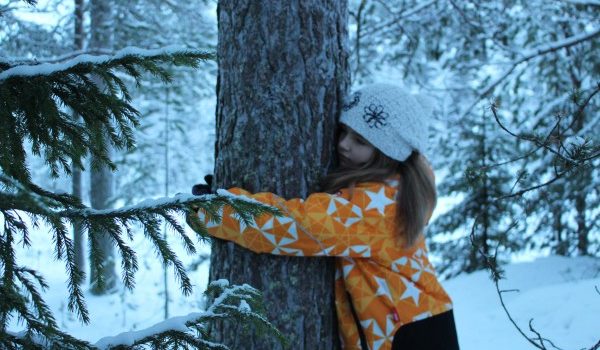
509	290
533	188
491	265
531	139
539	336
585	103
464	16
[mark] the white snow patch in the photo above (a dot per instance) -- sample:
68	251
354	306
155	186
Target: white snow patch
244	307
558	293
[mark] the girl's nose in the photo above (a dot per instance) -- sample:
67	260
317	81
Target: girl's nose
343	144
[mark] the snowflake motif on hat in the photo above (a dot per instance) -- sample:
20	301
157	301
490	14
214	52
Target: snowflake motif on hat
375	116
355	99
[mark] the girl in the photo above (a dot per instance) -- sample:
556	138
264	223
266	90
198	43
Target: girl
371	216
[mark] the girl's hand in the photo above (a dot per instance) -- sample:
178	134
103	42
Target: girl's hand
200	189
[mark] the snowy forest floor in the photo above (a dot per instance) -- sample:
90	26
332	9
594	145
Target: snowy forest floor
559	294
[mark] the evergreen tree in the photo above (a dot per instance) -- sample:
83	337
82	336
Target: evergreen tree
36	100
478	182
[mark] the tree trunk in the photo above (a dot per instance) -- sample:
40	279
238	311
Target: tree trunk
562	245
101	184
78	231
282	74
581	180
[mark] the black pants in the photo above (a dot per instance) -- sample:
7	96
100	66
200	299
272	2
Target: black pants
433	333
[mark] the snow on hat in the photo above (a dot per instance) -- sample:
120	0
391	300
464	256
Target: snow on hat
391	119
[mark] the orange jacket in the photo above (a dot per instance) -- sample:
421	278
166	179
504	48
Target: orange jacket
389	285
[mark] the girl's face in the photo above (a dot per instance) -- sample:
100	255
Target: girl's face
353	150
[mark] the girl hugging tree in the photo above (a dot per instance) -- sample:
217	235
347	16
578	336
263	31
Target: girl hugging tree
371	216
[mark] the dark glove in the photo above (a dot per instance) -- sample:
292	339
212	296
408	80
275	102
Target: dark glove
200	189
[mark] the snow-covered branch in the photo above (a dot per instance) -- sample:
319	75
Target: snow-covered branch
20	61
40	94
557	45
65	63
58	210
234	303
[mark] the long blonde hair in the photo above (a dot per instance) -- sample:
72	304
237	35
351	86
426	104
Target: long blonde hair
416	197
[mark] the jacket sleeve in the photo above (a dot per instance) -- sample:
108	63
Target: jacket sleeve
322	225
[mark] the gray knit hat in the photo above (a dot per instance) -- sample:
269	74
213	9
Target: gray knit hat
391	119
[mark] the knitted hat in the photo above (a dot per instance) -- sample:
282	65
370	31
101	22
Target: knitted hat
391	119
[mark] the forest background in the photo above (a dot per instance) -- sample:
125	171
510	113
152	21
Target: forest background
517	87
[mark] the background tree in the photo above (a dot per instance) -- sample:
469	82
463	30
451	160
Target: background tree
153	23
76	183
101	177
174	125
282	76
477	181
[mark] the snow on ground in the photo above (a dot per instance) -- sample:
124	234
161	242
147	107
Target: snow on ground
557	293
122	310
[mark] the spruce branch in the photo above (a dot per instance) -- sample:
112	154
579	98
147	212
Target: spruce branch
34	98
148	214
8	62
58	210
43	311
230	303
37	100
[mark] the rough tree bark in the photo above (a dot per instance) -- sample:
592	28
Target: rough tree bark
101	184
282	74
